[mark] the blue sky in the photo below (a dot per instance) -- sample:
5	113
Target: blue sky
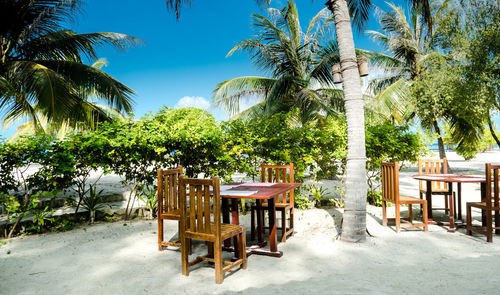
184	58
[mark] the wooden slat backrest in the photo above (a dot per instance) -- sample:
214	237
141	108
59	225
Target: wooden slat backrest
168	185
390	182
433	166
492	185
279	173
198	206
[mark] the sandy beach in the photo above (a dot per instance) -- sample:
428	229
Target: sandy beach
122	257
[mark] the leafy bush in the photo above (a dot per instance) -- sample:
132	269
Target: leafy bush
388	143
23	184
301	201
277	139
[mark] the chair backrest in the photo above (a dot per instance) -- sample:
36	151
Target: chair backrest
278	173
390	182
168	194
433	166
492	185
204	197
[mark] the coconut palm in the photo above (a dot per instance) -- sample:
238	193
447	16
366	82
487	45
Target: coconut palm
42	73
354	225
409	55
297	62
61	129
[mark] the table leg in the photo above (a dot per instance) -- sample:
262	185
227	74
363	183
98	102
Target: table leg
428	197
459	202
225	217
273	240
260	222
235	220
451	206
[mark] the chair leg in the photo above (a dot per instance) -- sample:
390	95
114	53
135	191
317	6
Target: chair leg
160	233
252	223
455	206
426	219
293	231
421	195
446	207
210	246
283	226
497	221
489	226
398	220
384	213
243	249
410	213
469	219
189	246
218	262
185	256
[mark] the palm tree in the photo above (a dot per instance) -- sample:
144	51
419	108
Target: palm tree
354	225
61	129
409	55
298	62
42	73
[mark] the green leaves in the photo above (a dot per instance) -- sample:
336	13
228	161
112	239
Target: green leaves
42	75
277	140
297	63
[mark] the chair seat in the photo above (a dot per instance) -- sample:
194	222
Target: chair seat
277	205
481	205
227	231
410	200
436	191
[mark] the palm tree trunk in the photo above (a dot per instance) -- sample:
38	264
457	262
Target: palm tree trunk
354	223
442	152
492	130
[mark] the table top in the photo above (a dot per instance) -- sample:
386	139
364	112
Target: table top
451	178
255	190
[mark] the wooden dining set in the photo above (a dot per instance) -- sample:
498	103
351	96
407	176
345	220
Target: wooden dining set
434	179
198	204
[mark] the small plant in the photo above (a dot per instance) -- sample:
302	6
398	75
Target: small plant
40	218
112	218
94	202
374	198
338	199
149	197
62	223
302	201
319	195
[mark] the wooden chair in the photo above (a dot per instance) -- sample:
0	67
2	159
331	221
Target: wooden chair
168	202
202	225
284	203
390	193
491	203
432	166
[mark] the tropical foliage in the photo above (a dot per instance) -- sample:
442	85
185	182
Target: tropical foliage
43	74
298	64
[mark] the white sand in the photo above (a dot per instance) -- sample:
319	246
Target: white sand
111	258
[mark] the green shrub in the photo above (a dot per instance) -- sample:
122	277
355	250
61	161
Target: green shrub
388	143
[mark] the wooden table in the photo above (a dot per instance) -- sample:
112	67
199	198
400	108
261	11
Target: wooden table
450	179
259	191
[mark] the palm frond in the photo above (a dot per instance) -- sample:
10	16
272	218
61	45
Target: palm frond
393	101
72	46
91	81
229	94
